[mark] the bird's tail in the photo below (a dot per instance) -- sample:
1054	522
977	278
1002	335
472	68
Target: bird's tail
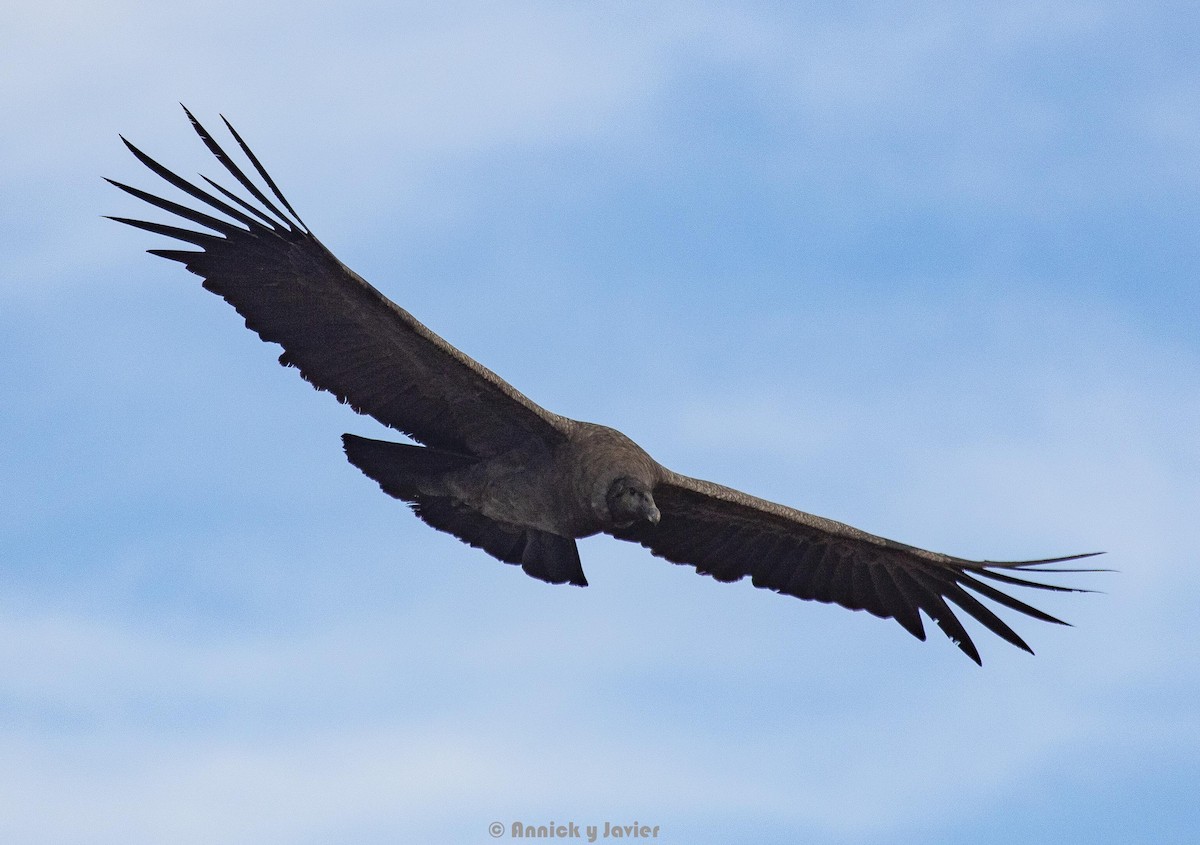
403	470
415	473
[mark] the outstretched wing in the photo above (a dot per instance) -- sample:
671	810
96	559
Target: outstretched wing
730	535
341	333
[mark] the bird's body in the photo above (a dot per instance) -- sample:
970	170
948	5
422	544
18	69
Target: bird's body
561	490
545	497
505	475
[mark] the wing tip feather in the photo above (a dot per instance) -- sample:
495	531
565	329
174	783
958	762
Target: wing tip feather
1031	564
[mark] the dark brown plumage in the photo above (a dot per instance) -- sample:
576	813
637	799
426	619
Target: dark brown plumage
511	478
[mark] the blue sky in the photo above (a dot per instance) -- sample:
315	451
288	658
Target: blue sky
927	270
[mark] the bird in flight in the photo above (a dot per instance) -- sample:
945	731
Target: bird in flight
522	483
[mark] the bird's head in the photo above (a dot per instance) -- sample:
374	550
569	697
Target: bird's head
629	501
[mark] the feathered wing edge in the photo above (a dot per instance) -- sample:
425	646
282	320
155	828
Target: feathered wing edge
730	535
341	333
280	222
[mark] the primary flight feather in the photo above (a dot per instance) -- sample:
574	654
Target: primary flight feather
507	476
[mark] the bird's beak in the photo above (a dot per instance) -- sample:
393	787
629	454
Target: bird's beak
653	515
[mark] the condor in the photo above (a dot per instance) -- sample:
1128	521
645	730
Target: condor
522	483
